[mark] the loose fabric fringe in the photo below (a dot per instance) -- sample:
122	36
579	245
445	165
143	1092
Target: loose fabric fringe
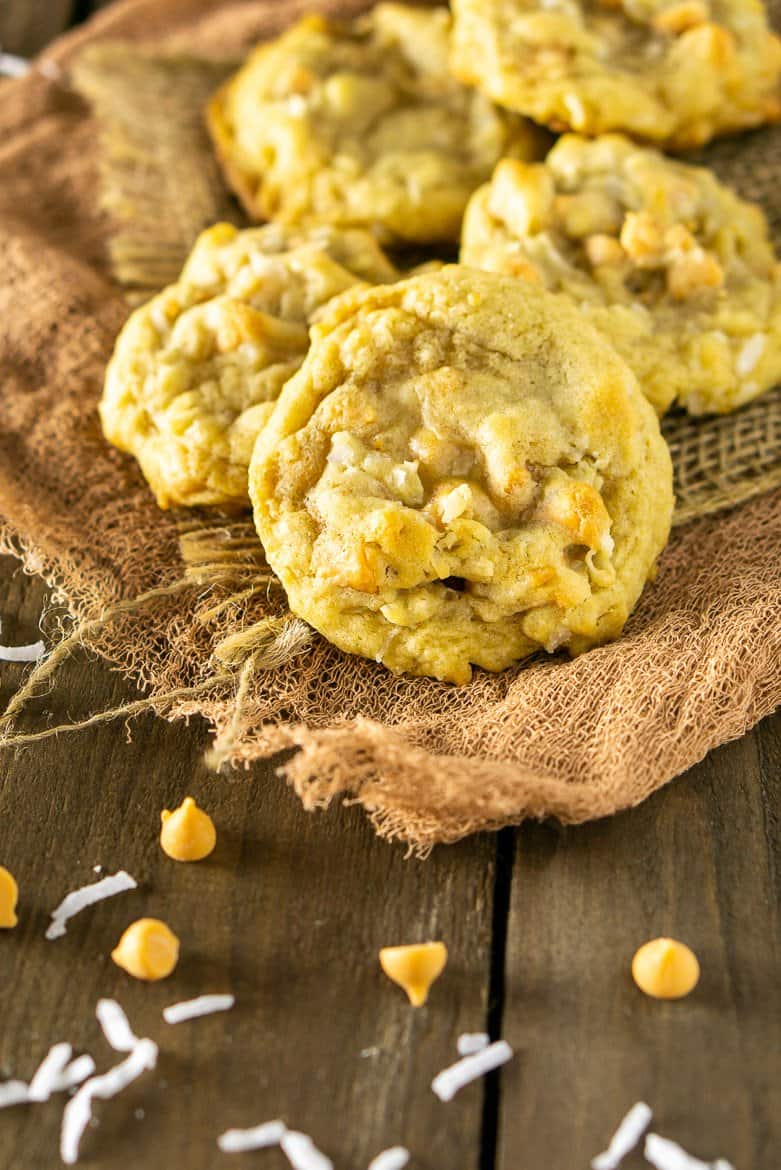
222	558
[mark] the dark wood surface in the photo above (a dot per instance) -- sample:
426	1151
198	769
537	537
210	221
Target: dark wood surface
27	25
290	911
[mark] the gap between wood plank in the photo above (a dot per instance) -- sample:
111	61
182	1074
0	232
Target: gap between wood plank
81	11
505	863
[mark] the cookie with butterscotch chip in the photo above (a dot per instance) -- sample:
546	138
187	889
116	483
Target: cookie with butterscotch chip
675	269
677	72
461	473
196	370
359	123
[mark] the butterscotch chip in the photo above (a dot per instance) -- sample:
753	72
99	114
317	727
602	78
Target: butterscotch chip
187	832
9	896
196	370
147	950
675	269
361	124
665	969
414	967
671	71
462	472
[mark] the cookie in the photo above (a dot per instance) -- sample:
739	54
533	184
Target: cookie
360	124
196	370
675	269
670	71
461	473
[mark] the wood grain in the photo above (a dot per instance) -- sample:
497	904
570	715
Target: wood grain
698	861
288	914
27	25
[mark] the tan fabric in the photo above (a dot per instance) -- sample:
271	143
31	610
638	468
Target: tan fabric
699	663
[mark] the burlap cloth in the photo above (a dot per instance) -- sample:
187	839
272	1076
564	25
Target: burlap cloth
184	604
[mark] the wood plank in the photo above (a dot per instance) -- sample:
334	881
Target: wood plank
699	861
26	27
288	914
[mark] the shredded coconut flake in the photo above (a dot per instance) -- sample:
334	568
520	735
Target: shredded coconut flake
469	1043
13	1093
55	1074
80	899
260	1137
115	1026
625	1138
296	104
50	1072
302	1153
251	353
13	66
667	1155
76	1072
29	653
395	1158
203	1005
447	1083
159	318
576	110
35	650
78	1111
750	353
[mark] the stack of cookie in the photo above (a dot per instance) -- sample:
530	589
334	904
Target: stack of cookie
462	465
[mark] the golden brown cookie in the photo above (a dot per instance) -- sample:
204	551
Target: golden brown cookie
674	268
196	370
671	71
361	124
461	473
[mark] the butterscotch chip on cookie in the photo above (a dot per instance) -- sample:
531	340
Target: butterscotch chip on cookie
461	473
675	269
197	369
669	71
361	124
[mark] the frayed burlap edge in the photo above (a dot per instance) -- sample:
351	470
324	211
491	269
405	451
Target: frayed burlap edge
698	665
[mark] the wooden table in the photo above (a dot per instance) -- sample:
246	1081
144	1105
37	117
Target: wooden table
290	912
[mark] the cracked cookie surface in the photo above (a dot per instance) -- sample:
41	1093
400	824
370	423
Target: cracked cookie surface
361	124
675	269
670	71
461	473
196	370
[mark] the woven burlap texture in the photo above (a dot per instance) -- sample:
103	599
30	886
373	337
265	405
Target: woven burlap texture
184	603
